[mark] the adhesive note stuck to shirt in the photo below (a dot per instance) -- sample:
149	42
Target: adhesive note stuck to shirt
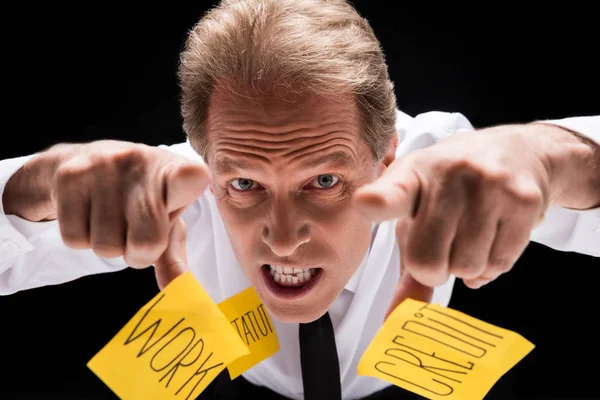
172	348
251	321
440	353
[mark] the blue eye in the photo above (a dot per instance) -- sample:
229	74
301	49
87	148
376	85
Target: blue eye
327	180
242	184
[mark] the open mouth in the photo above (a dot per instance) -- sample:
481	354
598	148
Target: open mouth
291	277
288	282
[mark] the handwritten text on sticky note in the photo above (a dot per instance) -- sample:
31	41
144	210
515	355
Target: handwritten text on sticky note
440	353
250	319
172	348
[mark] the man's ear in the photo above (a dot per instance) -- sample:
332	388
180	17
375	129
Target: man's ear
390	154
389	157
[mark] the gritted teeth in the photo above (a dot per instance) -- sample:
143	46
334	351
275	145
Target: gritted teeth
288	276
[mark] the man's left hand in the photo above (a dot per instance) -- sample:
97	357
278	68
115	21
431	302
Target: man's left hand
465	206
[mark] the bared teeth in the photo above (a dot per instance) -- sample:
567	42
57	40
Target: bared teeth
288	276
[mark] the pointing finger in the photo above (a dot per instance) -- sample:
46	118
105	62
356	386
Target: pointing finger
409	287
184	183
393	195
173	262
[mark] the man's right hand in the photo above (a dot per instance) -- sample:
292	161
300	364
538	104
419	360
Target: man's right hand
116	198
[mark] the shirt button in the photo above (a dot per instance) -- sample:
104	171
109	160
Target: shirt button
8	246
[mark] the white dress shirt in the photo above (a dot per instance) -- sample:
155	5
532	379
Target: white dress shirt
33	255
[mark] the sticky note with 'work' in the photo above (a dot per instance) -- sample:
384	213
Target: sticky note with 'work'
440	353
172	348
251	321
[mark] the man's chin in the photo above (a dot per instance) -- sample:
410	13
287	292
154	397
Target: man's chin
300	314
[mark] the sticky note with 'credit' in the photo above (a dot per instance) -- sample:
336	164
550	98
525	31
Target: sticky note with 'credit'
440	353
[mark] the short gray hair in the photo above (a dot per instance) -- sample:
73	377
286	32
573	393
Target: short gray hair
314	46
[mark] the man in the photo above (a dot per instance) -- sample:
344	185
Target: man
302	179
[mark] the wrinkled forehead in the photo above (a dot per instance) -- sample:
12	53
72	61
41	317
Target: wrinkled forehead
282	116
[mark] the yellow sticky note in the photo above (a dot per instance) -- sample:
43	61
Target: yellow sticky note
250	320
440	353
172	348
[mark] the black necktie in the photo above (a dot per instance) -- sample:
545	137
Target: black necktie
319	360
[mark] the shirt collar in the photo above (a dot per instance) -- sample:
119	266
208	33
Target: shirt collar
355	278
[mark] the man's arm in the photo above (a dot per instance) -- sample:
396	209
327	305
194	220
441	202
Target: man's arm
110	179
467	204
32	254
573	159
572	222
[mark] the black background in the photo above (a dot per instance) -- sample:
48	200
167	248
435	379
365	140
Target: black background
102	71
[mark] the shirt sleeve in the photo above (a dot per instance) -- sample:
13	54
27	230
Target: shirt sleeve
566	229
562	229
32	254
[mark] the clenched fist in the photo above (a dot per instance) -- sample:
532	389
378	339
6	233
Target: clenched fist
465	206
116	198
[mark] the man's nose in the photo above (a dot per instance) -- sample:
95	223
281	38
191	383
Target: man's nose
285	234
